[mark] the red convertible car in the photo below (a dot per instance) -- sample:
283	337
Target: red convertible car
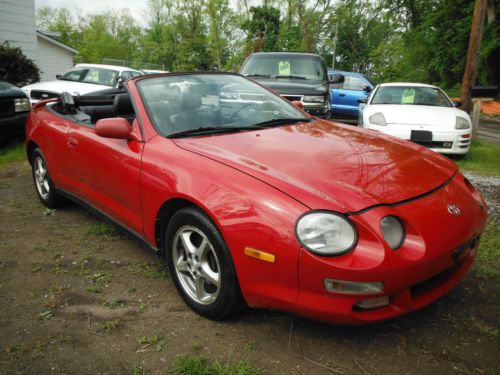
253	202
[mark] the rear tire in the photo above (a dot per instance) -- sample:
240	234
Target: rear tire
44	186
201	265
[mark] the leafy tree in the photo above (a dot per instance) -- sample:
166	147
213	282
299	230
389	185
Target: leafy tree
16	68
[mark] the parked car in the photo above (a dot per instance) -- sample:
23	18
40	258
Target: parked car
151	71
295	76
14	108
420	113
252	201
345	95
82	79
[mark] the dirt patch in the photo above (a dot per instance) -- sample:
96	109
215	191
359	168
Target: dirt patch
78	301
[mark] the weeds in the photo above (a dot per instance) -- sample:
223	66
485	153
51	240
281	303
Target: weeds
154	341
197	365
113	303
94	289
111	325
483	158
45	315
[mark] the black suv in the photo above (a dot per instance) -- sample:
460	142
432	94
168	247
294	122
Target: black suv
295	76
14	108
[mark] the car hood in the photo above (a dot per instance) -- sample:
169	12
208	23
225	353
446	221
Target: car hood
10	91
417	114
59	86
285	86
329	166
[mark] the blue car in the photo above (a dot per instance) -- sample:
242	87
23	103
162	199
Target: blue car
345	95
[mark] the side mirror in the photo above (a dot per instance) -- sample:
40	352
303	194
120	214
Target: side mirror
120	81
298	104
336	78
362	100
116	127
367	89
457	103
58	76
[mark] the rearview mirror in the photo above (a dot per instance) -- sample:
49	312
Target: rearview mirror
117	127
457	103
58	76
367	89
362	100
335	78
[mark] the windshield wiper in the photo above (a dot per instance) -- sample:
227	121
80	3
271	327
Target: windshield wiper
258	75
281	121
212	130
289	76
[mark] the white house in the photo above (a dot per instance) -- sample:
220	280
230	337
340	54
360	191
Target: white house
17	26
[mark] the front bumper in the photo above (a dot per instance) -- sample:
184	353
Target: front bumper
421	271
13	125
322	110
459	140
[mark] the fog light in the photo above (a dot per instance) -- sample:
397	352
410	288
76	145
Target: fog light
447	144
372	303
353	287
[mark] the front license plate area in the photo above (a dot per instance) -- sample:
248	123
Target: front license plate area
421	136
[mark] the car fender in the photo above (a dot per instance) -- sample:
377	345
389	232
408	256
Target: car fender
248	213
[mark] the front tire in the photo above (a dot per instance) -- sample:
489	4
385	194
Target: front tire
201	265
43	183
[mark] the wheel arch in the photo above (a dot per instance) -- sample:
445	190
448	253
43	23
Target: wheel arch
165	213
31	146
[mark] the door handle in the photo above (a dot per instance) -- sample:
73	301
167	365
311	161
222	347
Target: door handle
341	94
72	142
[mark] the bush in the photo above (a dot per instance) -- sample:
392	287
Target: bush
15	67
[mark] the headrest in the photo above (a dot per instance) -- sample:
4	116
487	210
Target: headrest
122	105
189	102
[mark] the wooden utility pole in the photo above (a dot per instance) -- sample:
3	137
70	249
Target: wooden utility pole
471	65
335	46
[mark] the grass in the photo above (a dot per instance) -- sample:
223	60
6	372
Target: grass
197	365
102	229
483	158
488	255
11	154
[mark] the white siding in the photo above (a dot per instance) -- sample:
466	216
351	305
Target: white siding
52	60
17	25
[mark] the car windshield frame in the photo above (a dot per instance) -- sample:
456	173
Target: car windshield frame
257	61
86	70
445	100
289	111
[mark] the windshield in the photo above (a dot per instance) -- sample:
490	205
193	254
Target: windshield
181	103
411	95
96	76
286	66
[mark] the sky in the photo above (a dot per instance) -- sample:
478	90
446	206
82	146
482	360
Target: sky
137	7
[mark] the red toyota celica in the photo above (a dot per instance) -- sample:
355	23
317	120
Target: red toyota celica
251	201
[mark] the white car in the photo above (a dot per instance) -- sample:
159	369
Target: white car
420	113
82	79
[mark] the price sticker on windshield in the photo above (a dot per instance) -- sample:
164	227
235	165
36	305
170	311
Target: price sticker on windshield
284	68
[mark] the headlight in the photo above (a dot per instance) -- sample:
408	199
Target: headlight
313	99
378	119
393	231
462	123
22	105
326	233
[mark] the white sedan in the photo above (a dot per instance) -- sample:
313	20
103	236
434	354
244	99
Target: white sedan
82	79
417	112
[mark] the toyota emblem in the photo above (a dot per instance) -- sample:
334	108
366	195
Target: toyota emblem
454	210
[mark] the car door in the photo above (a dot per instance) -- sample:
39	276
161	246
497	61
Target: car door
106	173
352	89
